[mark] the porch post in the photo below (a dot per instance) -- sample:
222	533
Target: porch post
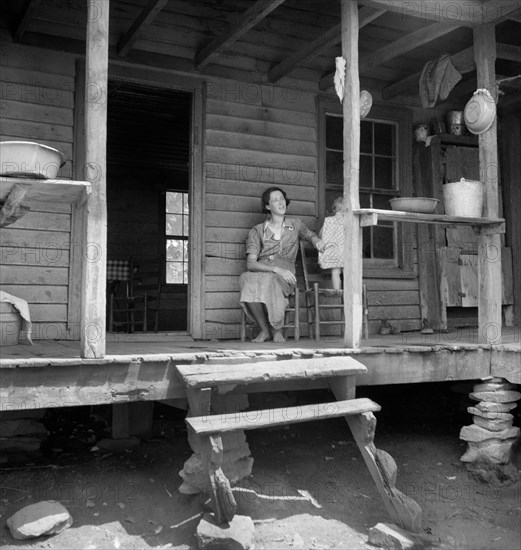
489	251
353	232
93	293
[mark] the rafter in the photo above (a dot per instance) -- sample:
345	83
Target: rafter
144	19
508	52
399	47
463	61
249	19
320	45
29	8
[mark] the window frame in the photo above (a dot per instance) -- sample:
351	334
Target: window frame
402	266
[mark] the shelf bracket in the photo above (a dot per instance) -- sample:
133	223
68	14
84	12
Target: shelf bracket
366	220
12	209
492	229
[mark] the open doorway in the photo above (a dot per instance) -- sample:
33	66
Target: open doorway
148	190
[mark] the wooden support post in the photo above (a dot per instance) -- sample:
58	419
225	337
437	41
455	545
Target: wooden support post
223	501
93	294
353	232
489	251
120	420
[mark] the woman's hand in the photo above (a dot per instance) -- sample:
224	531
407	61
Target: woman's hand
320	245
287	275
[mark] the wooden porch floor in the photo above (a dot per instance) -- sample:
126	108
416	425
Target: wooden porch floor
144	366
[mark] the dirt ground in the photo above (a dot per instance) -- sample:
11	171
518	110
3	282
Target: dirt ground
130	500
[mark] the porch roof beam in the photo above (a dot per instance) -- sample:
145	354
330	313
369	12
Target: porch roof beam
399	47
144	19
468	13
463	61
257	12
29	8
320	45
497	12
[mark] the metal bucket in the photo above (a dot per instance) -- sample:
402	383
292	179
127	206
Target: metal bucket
456	123
463	198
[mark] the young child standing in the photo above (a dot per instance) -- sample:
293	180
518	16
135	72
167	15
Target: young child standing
332	235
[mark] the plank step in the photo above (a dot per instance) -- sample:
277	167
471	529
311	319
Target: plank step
251	420
205	376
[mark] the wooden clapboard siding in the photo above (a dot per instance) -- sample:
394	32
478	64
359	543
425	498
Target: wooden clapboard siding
35	251
256	137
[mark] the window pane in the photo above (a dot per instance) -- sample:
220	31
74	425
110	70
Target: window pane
334	132
186	224
383	242
174	250
174	202
174	273
383	139
383	176
186	205
366	171
366	137
366	242
174	224
185	273
334	167
365	200
381	202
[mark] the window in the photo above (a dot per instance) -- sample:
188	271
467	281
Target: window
384	159
176	230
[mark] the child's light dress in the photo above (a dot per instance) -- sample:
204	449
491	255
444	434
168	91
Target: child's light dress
333	237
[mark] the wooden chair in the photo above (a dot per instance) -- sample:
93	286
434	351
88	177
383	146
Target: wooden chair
319	295
125	309
321	298
291	315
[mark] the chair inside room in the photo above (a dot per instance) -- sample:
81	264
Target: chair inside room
126	310
324	304
291	315
149	284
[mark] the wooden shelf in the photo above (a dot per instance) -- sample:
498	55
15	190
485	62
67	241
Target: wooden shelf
450	139
371	216
55	191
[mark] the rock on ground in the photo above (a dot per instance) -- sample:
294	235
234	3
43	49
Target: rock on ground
47	517
236	535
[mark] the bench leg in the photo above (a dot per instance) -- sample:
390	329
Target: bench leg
223	501
403	510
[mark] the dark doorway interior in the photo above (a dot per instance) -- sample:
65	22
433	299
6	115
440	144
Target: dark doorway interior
148	162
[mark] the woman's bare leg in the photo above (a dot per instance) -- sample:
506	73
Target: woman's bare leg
258	311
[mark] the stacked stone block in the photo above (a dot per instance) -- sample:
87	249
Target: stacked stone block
491	438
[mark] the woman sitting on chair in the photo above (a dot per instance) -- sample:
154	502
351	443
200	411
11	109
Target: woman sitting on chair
271	250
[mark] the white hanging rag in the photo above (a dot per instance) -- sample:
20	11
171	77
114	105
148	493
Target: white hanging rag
23	309
340	77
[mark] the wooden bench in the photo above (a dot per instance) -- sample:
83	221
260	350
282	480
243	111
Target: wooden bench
340	373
